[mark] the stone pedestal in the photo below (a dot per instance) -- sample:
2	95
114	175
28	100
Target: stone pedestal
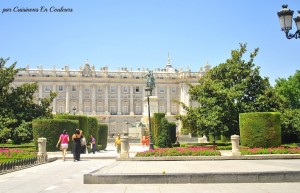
124	147
42	154
202	139
235	140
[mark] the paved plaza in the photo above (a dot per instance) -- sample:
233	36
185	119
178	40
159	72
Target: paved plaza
68	176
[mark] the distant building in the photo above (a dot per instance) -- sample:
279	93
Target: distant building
115	97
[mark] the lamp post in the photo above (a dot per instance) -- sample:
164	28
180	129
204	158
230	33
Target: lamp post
127	129
285	19
148	91
74	110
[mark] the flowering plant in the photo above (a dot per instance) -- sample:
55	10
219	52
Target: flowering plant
7	154
179	151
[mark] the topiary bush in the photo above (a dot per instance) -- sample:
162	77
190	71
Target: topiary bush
260	129
102	135
83	122
155	126
51	130
164	137
172	131
93	129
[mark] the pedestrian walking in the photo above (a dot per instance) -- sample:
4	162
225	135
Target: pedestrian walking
64	142
118	143
93	144
76	144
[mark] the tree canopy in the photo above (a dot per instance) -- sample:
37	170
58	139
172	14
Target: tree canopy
290	89
17	104
228	89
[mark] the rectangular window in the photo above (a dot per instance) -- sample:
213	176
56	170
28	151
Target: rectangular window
99	89
60	108
161	90
60	88
87	90
125	109
113	110
125	89
87	109
48	88
162	109
113	89
174	90
174	109
100	109
73	88
137	89
138	110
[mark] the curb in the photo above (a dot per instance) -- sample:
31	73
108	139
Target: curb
193	178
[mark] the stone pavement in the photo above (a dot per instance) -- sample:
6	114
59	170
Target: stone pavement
202	169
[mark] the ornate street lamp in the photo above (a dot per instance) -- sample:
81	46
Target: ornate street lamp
74	110
285	19
148	91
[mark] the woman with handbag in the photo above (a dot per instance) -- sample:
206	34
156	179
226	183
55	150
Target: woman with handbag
76	144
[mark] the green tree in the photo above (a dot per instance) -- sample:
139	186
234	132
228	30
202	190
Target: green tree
228	89
290	89
290	125
17	104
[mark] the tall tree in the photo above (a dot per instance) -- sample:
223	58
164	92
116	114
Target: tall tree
228	89
17	104
290	89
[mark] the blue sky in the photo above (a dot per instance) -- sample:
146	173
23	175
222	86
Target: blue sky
140	33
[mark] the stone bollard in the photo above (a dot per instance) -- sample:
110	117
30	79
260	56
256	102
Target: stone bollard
42	154
235	140
124	147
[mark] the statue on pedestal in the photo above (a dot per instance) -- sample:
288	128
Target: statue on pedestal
150	79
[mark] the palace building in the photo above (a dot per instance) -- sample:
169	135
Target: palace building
116	98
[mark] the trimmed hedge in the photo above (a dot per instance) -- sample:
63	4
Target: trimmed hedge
260	129
156	120
102	135
93	129
172	131
51	129
83	122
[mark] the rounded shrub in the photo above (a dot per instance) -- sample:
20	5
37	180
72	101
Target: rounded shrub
260	129
51	130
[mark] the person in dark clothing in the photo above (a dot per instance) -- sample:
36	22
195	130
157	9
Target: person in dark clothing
93	142
76	144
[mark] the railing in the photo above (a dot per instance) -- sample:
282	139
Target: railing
10	166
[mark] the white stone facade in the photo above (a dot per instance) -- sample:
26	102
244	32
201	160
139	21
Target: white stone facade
114	97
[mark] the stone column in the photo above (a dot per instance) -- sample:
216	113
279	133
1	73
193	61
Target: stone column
235	140
80	100
131	110
54	100
124	147
168	101
93	100
67	99
106	99
42	154
119	112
